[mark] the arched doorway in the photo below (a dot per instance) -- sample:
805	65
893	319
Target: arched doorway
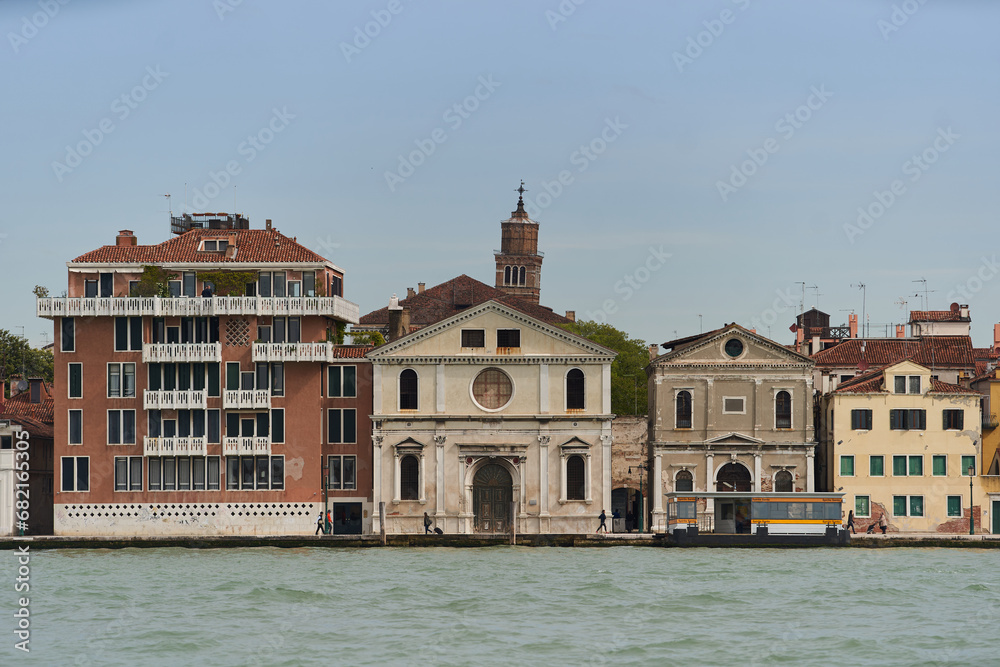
492	494
733	477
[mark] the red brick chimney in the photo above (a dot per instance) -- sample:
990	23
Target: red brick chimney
571	315
900	331
852	321
654	351
126	237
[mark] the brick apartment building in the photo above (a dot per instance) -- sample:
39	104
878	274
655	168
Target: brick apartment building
207	407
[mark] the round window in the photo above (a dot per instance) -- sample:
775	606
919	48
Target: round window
492	389
734	347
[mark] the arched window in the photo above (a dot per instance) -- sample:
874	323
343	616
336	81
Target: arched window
408	390
684	481
521	280
783	410
409	478
733	477
575	389
506	275
575	479
783	482
683	409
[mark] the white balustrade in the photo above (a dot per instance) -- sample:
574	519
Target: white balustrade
187	446
174	400
329	306
246	446
181	352
237	399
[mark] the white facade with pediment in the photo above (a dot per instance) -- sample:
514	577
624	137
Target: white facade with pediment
730	411
491	416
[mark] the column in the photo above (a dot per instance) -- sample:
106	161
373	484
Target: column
756	472
562	477
423	477
439	386
656	489
606	471
439	508
606	375
709	482
395	477
586	473
376	481
543	388
810	471
543	475
377	407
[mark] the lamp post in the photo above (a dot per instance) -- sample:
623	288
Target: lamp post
642	498
972	523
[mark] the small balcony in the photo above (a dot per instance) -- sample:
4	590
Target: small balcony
174	400
246	446
187	446
181	352
293	352
990	421
246	399
335	307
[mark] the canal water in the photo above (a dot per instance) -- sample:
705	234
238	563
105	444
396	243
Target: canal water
507	605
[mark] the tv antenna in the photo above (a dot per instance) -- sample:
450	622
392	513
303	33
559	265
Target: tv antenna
926	291
815	289
864	303
170	209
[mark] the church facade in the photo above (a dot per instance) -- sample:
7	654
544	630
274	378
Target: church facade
491	417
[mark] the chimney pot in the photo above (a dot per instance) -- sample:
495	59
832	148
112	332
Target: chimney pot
900	331
654	352
267	224
571	315
410	292
420	288
126	238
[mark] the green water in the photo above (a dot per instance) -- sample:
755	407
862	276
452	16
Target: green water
507	605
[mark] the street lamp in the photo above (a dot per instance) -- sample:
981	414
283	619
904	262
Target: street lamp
642	498
972	524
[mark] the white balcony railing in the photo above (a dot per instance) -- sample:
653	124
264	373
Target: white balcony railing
173	400
329	306
238	399
246	446
293	351
189	446
182	352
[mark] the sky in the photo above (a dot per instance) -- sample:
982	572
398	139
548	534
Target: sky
690	164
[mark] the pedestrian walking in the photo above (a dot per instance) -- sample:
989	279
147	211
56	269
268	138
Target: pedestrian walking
604	522
329	522
319	524
850	522
427	524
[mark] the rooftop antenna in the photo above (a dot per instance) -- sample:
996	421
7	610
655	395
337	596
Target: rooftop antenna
926	291
234	200
170	210
802	301
816	288
864	303
701	328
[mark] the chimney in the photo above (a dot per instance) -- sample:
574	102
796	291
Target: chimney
996	337
815	345
753	331
800	337
231	245
571	315
963	310
852	320
399	320
420	288
900	331
36	391
654	350
410	293
125	238
267	224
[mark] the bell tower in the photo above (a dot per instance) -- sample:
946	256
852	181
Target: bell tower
519	264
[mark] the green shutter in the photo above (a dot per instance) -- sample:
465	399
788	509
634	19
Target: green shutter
861	506
916	466
876	466
939	465
966	462
916	505
847	466
899	466
954	506
899	505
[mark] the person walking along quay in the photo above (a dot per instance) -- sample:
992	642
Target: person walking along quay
604	522
850	522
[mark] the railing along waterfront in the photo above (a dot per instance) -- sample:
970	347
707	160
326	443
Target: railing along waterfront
246	446
182	352
187	446
184	306
173	400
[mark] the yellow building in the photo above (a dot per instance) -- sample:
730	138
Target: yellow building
902	444
989	388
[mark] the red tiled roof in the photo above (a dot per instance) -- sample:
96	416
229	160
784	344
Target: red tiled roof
932	351
985	353
867	383
252	245
937	316
442	301
938	387
38	417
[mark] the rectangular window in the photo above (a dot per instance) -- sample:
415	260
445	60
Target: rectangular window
264	334
876	466
847	466
121	427
121	380
334	423
908	420
76	427
90	289
916	505
861	420
343	472
278	425
279	283
264	283
350	425
263	475
128	334
158	330
189	283
232	375
862	506
508	338
278	329
76	380
214	427
75	473
939	465
954	505
183	473
899	466
473	337
198	473
107	284
334	476
309	283
899	505
169	474
155	474
68	337
6	442
342	381
916	466
212	368
213	473
135	334
232	473
247	472
277	472
733	405
128	473
954	420
277	379
899	384
968	462
294	288
334	381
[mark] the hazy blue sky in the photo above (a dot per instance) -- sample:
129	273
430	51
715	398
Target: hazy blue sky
648	108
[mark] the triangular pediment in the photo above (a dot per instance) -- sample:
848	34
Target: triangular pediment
733	345
535	338
734	439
